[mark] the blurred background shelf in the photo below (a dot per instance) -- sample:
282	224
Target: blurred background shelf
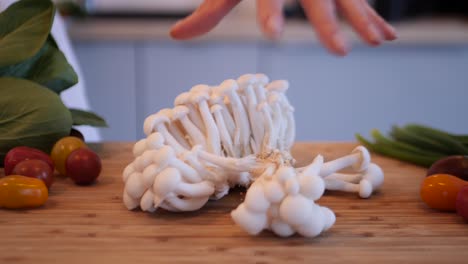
132	69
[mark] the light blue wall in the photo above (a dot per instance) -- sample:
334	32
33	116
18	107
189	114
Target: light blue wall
334	97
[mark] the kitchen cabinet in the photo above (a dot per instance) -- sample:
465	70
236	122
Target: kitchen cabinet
371	88
408	81
109	76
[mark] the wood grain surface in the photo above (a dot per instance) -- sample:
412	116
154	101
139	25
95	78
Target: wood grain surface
91	225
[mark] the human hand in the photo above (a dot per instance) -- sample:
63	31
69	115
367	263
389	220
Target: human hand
321	14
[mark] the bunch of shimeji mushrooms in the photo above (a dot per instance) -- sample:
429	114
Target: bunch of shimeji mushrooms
239	133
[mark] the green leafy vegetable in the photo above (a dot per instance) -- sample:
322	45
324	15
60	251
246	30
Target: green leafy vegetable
31	115
81	117
48	67
25	27
417	144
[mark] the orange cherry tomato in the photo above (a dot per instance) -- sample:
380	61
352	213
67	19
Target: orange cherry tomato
18	191
440	191
62	149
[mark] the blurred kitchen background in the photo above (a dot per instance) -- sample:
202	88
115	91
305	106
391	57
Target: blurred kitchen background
131	68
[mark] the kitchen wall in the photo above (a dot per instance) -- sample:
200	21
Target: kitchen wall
420	78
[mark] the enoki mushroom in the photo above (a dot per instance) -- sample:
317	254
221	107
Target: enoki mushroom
239	132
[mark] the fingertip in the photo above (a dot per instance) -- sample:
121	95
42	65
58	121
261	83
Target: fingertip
273	27
339	45
391	33
373	35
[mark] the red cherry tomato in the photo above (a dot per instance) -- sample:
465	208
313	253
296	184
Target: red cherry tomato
62	149
35	169
462	203
83	166
18	154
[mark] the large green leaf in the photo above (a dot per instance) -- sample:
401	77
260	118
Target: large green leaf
30	115
48	67
24	28
81	117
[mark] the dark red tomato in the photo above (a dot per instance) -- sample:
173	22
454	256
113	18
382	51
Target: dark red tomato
35	169
18	154
462	203
83	166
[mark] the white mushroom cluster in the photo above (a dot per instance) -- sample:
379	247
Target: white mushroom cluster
239	132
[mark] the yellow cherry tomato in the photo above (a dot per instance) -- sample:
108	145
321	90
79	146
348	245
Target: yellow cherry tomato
62	149
18	191
440	191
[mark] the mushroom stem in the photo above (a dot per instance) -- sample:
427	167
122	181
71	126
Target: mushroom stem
228	88
351	178
371	180
212	134
359	159
255	117
195	190
187	204
233	164
277	121
194	115
194	133
267	144
223	131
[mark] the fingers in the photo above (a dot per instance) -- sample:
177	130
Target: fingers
357	15
386	29
202	20
270	17
321	13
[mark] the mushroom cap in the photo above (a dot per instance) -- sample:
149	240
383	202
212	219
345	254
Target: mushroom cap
163	156
273	98
328	217
263	106
374	175
203	88
255	199
364	158
139	147
251	222
281	228
296	210
130	203
199	96
274	192
245	80
285	173
154	120
216	97
155	141
365	189
147	201
316	222
227	86
215	108
127	171
179	112
280	86
182	98
166	182
262	78
311	186
166	112
134	186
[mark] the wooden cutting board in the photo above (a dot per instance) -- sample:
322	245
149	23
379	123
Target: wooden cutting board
91	225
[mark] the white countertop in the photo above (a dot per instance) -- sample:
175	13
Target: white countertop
245	29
